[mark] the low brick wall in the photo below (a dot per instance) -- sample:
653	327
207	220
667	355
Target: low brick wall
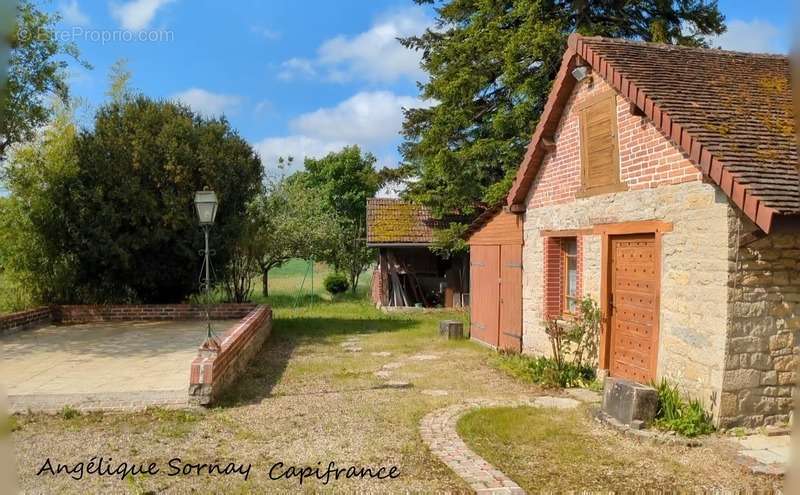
213	370
24	320
69	314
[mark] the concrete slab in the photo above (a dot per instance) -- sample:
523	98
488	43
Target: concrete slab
765	453
101	359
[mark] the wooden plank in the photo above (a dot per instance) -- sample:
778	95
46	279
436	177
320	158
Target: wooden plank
485	294
510	306
504	228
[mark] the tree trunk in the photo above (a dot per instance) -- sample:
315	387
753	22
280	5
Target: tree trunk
265	282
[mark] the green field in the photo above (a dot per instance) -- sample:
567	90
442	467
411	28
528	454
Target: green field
291	285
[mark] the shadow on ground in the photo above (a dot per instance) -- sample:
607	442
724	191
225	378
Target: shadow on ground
268	366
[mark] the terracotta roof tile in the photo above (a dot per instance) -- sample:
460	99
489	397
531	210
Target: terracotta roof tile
730	112
394	221
738	105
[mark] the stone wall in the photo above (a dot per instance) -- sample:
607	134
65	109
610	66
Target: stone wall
763	341
694	276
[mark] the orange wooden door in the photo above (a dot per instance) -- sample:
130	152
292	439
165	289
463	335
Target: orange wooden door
633	301
484	293
510	298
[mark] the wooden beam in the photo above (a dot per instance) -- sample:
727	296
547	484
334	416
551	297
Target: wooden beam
566	233
642	227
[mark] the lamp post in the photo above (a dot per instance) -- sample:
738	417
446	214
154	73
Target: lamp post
206	203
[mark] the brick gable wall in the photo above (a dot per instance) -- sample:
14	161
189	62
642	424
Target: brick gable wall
647	158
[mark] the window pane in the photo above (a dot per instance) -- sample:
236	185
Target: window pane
571	247
572	276
570	287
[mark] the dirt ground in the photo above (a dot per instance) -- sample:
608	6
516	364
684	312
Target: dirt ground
341	383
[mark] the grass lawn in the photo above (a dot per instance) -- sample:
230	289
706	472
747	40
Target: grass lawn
309	399
558	451
305	399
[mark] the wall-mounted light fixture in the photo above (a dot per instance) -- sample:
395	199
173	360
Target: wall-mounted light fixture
580	73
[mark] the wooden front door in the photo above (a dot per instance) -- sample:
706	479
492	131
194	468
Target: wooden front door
510	297
484	293
633	307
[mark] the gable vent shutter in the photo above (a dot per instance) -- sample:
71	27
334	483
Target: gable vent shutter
599	154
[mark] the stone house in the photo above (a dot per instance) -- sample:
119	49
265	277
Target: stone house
662	181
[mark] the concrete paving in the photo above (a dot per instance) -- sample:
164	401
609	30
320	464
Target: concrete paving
765	453
100	360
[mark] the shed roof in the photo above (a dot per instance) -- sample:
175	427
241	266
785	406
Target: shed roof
394	221
730	112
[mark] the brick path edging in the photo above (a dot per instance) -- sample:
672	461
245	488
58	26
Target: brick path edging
438	430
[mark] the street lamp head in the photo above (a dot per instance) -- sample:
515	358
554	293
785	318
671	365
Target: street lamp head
206	204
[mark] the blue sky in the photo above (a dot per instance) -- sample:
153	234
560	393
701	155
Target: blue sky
297	78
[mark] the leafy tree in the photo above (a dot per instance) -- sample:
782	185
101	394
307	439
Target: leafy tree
346	179
111	217
30	222
290	220
490	67
37	64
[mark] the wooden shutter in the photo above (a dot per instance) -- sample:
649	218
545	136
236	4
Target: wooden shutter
599	149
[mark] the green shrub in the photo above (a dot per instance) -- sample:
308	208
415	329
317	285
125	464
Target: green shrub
336	283
679	415
545	371
69	412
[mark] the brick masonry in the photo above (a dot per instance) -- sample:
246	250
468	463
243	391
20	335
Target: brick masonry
711	308
24	320
69	314
214	370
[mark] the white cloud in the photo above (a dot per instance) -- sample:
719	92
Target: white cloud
207	103
374	55
262	107
296	68
265	33
72	14
364	118
298	147
136	14
754	36
368	119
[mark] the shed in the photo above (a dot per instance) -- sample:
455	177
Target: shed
495	241
407	272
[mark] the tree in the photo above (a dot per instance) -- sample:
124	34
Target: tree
346	179
31	224
37	65
290	220
116	211
490	67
